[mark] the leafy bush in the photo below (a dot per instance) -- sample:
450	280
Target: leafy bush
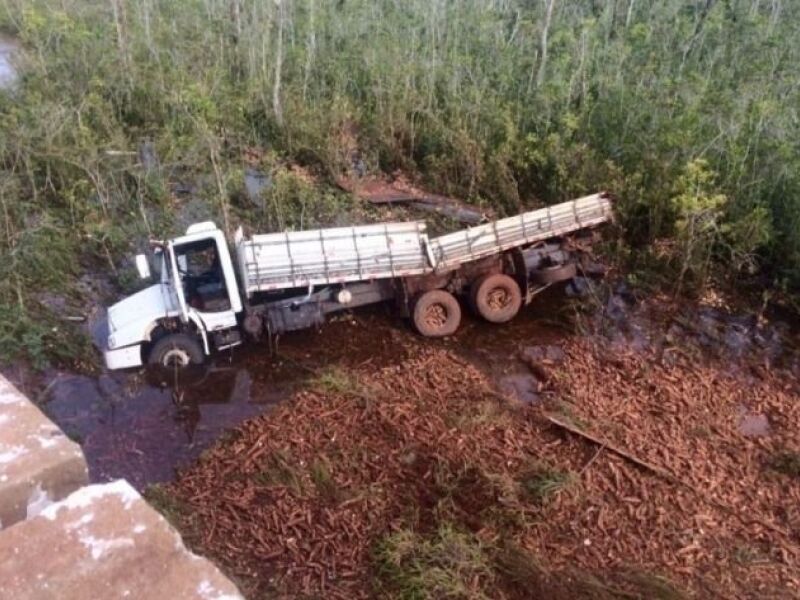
699	211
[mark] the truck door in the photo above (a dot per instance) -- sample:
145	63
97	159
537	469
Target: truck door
204	284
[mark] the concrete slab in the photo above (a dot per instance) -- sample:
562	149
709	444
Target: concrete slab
104	541
38	463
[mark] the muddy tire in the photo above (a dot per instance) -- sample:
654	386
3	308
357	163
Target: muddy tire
554	274
177	350
436	314
497	298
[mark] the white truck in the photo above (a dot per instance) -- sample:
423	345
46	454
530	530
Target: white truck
207	299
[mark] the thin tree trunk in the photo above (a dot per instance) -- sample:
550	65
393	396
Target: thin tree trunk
613	25
630	13
236	18
148	33
311	46
578	74
548	15
776	13
236	35
698	30
120	20
276	88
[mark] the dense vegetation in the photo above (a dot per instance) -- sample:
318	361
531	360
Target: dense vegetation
686	109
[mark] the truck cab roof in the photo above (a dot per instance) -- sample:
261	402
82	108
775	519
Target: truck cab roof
203	227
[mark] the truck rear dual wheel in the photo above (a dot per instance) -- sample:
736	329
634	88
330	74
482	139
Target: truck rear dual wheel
436	314
554	273
176	351
497	298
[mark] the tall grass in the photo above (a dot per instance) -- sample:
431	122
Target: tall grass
628	95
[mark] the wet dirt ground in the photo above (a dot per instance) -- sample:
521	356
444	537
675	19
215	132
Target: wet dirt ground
132	426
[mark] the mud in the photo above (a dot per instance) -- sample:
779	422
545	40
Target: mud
132	426
622	320
521	387
753	424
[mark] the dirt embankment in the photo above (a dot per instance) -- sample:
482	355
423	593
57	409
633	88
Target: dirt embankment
421	480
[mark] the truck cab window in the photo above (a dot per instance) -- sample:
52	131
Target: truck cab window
201	275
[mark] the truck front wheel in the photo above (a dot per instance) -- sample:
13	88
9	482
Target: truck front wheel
497	298
177	350
436	314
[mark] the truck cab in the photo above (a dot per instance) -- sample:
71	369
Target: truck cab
193	307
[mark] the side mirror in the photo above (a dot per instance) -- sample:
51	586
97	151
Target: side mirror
143	266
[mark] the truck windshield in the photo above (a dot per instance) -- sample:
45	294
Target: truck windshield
200	273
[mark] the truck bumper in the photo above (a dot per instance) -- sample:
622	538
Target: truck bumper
123	358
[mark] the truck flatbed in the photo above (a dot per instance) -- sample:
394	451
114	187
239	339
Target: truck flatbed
389	250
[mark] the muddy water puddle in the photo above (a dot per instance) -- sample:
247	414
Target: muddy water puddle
518	356
142	426
132	426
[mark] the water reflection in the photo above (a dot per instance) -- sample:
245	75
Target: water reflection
136	427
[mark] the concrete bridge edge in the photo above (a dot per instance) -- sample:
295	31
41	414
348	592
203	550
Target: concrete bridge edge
62	538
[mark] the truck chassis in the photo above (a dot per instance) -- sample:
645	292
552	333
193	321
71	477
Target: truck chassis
484	285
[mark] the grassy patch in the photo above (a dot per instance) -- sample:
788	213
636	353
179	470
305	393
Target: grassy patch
336	380
566	410
324	482
787	463
541	482
279	469
487	413
650	586
446	564
36	336
452	564
521	569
